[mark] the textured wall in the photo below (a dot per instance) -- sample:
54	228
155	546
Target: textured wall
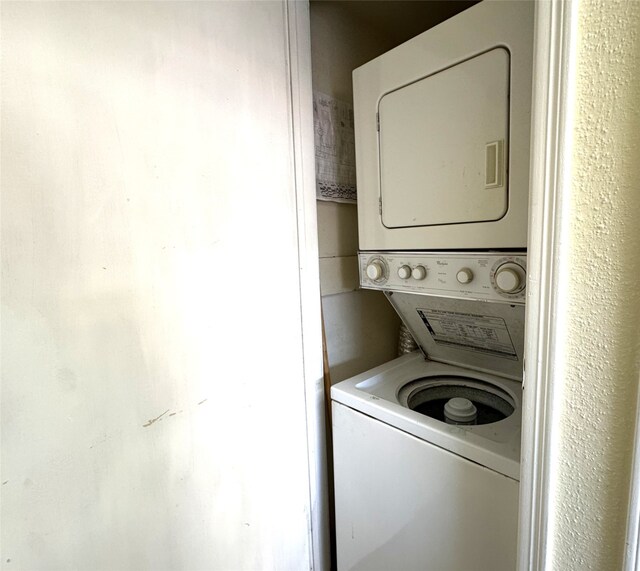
602	343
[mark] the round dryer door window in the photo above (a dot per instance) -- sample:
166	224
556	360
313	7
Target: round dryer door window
457	400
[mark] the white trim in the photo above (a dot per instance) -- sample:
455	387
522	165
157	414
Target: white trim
552	119
299	57
632	551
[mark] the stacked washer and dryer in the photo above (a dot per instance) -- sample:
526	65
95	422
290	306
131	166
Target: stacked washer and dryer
427	447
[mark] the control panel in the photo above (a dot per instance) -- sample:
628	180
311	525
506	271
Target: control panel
491	276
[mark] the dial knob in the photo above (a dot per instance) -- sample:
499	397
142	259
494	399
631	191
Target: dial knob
509	278
419	273
404	272
464	276
375	271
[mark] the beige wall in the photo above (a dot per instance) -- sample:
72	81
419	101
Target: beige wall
153	396
602	293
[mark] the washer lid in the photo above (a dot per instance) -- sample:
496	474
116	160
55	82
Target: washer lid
478	335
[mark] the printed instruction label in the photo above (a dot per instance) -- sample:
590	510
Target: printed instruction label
482	333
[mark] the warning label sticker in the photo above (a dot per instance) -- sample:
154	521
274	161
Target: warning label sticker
474	332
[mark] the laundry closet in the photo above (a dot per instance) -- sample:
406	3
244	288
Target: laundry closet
425	446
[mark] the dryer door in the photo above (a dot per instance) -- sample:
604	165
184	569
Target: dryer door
443	145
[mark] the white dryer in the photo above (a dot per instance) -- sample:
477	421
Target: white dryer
442	128
427	447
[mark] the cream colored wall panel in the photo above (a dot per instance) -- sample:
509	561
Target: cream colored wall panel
337	229
146	148
338	275
362	332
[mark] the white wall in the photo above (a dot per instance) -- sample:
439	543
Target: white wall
153	403
601	345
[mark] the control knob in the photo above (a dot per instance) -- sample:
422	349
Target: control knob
375	271
404	272
419	273
464	276
510	278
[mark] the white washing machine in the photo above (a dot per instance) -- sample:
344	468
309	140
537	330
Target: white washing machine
427	447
